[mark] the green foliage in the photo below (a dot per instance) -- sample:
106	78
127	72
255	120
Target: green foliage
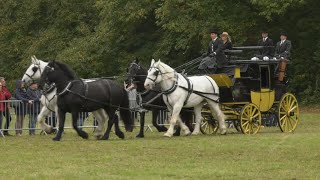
99	38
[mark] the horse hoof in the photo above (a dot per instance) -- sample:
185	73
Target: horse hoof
162	129
176	134
84	135
140	136
120	135
223	132
195	134
104	138
98	137
56	139
167	135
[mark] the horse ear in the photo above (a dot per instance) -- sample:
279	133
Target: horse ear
34	60
137	60
152	62
159	60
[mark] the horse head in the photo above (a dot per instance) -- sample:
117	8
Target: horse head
34	70
136	75
154	74
56	72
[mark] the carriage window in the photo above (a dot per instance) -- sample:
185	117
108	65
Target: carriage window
265	76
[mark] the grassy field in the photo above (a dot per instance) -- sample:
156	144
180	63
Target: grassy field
267	155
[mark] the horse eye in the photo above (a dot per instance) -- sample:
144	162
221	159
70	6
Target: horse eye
35	69
156	73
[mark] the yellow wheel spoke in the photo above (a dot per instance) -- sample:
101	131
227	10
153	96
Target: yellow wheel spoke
245	123
292	108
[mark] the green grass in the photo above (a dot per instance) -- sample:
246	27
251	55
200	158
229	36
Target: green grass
269	154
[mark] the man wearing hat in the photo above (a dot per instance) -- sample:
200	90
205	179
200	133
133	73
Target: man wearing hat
283	47
266	52
215	57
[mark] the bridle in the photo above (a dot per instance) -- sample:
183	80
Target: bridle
35	68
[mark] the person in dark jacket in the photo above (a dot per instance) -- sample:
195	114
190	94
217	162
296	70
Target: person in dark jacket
266	52
34	109
21	94
283	47
227	44
6	112
215	57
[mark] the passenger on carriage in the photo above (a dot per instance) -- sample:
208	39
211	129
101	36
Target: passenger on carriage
227	44
283	47
215	57
265	53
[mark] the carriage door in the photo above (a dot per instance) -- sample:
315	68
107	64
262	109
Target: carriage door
265	98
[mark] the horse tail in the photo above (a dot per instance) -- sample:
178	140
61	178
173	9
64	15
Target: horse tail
125	112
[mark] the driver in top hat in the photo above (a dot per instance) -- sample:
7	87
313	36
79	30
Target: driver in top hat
283	47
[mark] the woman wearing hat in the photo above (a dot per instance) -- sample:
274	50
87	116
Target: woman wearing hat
227	44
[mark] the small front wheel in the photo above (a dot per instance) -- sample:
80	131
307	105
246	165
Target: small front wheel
250	119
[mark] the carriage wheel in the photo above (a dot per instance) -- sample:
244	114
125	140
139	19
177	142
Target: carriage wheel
209	125
250	119
288	113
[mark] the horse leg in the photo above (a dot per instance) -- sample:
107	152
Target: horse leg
218	114
174	117
118	132
80	132
45	127
110	124
62	118
99	117
141	133
198	119
155	114
183	126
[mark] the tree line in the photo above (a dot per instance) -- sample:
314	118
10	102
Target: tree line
99	37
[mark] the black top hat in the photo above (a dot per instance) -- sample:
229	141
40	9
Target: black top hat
264	31
214	31
283	33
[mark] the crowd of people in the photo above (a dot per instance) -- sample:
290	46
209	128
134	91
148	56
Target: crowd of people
217	55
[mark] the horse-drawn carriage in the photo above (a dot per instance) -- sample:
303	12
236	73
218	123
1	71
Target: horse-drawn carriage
252	92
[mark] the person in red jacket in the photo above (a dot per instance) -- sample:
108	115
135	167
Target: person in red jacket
4	95
6	111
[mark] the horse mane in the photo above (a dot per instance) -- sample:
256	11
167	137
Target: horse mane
160	64
65	68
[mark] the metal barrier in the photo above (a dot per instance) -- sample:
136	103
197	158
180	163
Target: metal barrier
19	116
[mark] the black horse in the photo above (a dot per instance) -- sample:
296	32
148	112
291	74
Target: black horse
75	95
152	99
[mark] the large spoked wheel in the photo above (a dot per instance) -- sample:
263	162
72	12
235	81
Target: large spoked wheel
250	119
209	125
288	113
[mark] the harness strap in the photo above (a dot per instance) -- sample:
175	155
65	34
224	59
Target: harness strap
189	90
173	88
66	89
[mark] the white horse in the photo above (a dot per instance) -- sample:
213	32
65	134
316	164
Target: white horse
49	99
180	91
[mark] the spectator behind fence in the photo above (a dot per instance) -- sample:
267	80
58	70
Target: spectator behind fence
21	94
34	109
132	94
6	106
4	95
